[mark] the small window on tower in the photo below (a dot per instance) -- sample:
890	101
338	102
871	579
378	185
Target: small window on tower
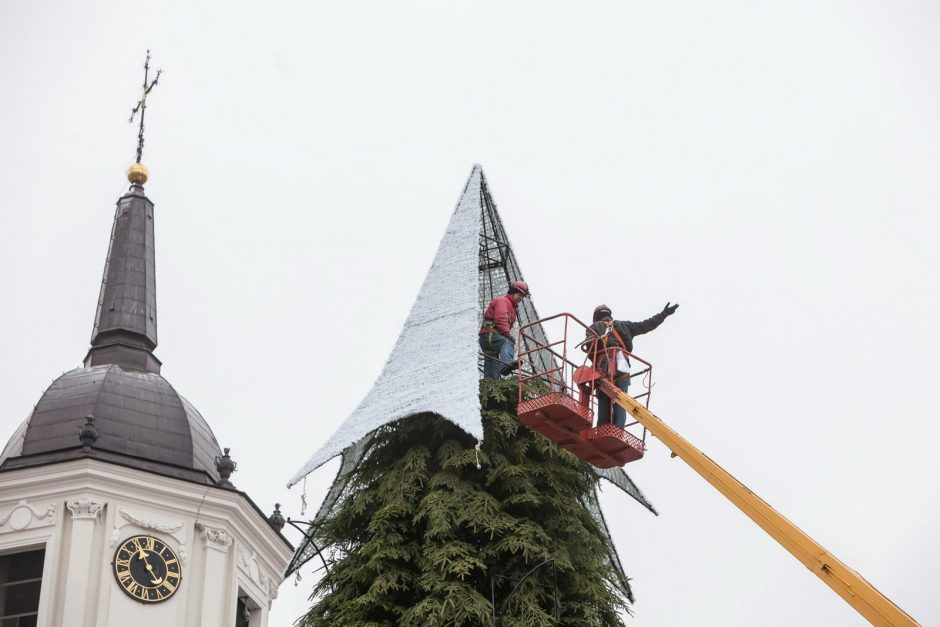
243	612
20	582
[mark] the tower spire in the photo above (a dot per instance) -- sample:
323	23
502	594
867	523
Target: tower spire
125	329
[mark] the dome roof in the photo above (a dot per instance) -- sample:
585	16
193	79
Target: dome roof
142	421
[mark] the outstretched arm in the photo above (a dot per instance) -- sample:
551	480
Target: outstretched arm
639	328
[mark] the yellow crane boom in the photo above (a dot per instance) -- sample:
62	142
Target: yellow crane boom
848	584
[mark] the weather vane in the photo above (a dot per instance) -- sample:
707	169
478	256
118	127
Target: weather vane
142	104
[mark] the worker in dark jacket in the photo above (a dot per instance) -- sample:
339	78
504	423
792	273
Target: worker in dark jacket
616	336
498	346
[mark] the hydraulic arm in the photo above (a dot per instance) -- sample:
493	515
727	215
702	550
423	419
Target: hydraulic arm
848	584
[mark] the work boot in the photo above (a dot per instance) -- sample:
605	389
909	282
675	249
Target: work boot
508	369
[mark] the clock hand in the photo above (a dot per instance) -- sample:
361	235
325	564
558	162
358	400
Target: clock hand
156	581
143	555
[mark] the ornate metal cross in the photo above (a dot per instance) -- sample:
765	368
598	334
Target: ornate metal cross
142	105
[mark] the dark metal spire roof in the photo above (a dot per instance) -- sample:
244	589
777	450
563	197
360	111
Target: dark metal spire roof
142	420
125	331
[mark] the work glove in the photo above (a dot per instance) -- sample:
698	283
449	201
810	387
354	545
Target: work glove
670	309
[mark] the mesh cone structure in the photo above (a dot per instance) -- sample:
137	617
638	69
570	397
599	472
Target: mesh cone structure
435	366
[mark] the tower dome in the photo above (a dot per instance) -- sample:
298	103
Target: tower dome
142	421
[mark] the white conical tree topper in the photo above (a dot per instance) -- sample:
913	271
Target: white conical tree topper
433	367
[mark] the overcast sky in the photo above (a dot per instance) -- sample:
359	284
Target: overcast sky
771	168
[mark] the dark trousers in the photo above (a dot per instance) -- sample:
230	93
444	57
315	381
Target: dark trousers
604	404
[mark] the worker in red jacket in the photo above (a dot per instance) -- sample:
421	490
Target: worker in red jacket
498	346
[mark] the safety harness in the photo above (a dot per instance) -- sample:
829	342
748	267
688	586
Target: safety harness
490	327
618	376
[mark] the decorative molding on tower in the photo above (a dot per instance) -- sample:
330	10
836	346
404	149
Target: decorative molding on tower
249	564
88	434
225	466
170	528
24	516
85	509
218	539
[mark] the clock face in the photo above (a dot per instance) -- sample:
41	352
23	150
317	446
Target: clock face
147	569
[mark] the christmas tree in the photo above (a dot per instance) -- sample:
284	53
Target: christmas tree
433	531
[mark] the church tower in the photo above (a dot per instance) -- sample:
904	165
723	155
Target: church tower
116	505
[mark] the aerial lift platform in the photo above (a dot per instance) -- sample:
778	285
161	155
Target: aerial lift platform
561	399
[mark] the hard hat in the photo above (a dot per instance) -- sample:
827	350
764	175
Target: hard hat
519	286
601	308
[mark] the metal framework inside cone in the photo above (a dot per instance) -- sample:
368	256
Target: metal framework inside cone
499	269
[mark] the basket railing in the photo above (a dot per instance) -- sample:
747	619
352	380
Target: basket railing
578	348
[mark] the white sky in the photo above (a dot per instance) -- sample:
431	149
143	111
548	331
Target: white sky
771	168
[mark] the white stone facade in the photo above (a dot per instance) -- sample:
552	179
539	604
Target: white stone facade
80	511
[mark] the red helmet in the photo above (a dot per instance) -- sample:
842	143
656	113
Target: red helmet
519	286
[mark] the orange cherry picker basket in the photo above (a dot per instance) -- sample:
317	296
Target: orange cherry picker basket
558	395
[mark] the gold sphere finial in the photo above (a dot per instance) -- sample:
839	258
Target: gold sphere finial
138	174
